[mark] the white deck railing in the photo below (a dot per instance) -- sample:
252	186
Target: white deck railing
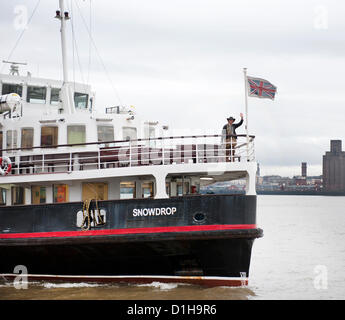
130	153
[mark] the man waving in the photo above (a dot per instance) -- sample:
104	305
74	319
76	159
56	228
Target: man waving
229	135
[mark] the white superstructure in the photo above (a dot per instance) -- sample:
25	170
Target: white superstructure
63	150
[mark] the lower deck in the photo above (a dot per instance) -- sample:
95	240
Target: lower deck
110	188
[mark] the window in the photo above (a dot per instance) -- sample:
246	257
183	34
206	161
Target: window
95	190
147	190
105	133
36	94
167	188
129	133
38	194
49	136
80	100
2	196
27	138
76	134
127	190
60	192
185	190
54	96
12	88
18	195
11	139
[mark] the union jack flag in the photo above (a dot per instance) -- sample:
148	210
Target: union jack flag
261	88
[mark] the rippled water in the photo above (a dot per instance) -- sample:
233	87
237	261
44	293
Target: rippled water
301	256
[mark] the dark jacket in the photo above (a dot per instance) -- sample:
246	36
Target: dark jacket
235	125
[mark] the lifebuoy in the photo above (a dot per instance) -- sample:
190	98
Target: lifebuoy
5	165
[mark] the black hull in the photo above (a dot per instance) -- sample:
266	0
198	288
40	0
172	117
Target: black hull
218	246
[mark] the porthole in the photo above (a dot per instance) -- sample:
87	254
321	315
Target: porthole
199	217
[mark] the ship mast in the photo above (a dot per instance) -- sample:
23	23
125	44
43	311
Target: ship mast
66	95
62	15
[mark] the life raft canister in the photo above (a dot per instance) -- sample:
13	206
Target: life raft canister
5	165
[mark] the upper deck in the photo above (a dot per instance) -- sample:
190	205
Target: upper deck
202	155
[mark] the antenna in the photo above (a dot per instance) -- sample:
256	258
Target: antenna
14	69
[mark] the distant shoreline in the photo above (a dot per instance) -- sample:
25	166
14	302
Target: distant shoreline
281	192
300	193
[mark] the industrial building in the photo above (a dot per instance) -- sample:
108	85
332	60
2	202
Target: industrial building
333	168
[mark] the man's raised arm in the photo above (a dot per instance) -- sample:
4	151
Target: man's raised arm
240	123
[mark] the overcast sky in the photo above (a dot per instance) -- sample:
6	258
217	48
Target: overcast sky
180	62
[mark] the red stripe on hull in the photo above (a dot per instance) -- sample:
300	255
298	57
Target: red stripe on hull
195	280
105	232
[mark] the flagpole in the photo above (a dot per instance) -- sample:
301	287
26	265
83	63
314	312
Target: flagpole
246	107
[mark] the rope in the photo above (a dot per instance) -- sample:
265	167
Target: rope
100	218
99	56
75	50
89	216
70	8
86	215
90	46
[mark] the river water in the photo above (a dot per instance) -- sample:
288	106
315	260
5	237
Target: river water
301	256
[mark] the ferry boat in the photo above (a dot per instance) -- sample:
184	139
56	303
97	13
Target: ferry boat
90	195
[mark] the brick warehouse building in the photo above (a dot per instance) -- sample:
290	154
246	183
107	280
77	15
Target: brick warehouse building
333	168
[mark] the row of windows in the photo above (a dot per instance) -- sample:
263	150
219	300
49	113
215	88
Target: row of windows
97	191
49	135
90	190
38	194
128	189
36	94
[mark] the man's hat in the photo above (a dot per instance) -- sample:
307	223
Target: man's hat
231	118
